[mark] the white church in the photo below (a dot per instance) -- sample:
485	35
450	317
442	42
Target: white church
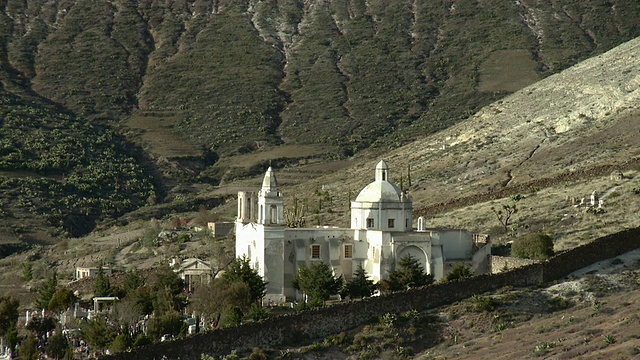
381	233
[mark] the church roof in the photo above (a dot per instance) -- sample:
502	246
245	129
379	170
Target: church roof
381	190
269	183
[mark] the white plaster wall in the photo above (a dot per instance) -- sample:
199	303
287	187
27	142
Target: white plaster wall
481	260
273	262
457	244
437	262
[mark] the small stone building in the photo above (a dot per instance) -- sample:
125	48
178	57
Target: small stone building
381	233
86	272
220	229
194	272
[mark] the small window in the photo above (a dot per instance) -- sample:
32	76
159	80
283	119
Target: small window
406	223
315	251
348	251
369	223
391	223
273	217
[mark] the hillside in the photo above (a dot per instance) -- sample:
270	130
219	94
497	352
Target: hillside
211	92
594	313
556	139
59	175
238	74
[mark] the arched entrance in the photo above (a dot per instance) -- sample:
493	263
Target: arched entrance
417	254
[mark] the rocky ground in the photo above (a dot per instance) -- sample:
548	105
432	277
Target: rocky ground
593	314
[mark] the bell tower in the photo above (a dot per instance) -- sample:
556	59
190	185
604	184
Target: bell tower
270	202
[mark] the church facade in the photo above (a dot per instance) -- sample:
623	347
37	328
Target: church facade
381	233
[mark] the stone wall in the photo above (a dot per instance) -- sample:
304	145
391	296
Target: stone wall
501	263
344	316
600	249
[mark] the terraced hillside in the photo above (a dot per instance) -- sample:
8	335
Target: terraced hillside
353	74
213	92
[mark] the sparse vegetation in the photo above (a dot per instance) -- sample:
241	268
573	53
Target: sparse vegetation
317	282
533	246
408	273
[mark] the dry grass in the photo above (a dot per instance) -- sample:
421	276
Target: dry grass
507	70
550	210
158	134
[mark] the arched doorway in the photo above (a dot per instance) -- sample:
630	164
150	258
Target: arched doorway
417	254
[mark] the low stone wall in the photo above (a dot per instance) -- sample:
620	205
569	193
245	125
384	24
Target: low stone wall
344	316
602	248
500	264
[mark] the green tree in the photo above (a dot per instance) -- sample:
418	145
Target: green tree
102	285
29	348
167	323
231	317
215	299
142	299
133	280
97	333
8	318
46	292
169	291
317	282
41	326
360	285
62	299
122	342
57	345
460	271
410	273
241	270
536	246
27	271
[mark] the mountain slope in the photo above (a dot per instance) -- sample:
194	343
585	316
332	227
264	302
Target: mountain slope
208	89
578	125
350	75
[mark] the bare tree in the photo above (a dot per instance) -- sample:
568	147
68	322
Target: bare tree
506	212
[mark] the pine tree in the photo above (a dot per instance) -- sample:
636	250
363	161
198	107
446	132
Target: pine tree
410	273
102	285
317	282
46	292
8	318
360	285
460	271
241	270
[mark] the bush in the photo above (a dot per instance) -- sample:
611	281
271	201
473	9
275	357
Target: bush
536	246
460	271
409	274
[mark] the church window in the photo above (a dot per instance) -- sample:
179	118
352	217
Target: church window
315	251
348	251
369	223
406	223
391	223
273	216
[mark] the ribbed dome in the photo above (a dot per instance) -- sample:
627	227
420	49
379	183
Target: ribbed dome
269	183
380	191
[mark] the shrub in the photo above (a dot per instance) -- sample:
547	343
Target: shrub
409	274
484	303
460	271
536	246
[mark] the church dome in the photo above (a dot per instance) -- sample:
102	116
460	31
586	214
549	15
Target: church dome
381	190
